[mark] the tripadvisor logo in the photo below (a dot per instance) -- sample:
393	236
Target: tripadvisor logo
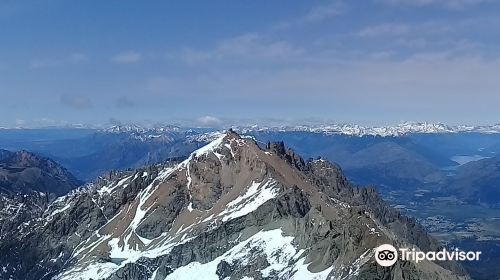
387	255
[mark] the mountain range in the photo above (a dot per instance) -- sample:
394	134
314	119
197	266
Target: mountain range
407	161
232	209
402	128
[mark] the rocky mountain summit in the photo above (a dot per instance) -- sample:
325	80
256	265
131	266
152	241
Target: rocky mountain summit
231	210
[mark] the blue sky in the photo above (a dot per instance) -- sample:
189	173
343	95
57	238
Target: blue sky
214	62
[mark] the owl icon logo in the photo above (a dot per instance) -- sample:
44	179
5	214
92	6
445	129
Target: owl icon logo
386	255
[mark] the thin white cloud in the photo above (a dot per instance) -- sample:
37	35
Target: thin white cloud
411	66
418	29
316	14
439	82
20	122
74	58
124	102
77	57
450	4
44	122
367	72
385	29
127	57
40	122
244	47
430	36
76	101
209	121
323	12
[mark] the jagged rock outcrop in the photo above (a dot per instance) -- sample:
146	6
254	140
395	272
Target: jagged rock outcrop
230	211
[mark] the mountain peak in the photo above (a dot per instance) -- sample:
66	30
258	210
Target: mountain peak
218	140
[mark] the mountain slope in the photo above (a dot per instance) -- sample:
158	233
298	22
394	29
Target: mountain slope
24	172
28	183
396	162
231	210
391	164
118	149
478	181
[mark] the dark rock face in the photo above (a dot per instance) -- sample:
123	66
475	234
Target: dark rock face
17	211
231	210
4	154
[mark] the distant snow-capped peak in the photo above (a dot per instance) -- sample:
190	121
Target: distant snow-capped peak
140	129
403	128
400	129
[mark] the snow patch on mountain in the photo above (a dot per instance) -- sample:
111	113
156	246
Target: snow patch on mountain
272	244
256	195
